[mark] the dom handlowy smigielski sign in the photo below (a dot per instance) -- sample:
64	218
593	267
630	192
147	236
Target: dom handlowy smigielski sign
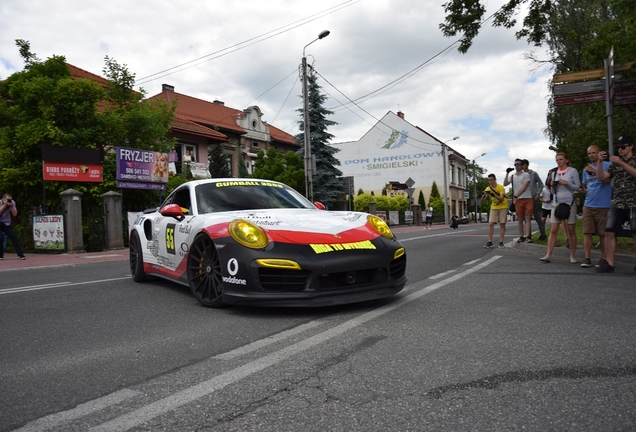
393	150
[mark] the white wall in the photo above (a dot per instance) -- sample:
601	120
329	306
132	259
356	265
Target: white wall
393	150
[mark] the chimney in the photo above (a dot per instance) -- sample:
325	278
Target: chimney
167	87
218	102
400	114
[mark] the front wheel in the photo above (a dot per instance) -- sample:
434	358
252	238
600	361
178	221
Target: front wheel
204	272
137	259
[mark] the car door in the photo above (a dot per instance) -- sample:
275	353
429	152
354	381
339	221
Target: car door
172	233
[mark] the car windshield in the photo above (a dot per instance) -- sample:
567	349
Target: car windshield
247	195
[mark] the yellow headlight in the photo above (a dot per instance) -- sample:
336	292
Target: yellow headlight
380	226
248	234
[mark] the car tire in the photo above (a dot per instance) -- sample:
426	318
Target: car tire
204	272
137	259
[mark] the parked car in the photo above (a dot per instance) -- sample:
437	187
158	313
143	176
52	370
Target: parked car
259	242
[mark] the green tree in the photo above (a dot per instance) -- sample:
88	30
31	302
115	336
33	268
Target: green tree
43	104
242	169
434	191
288	169
326	185
420	200
219	162
578	35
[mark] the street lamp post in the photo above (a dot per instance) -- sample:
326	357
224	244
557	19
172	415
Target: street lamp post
475	183
445	157
309	175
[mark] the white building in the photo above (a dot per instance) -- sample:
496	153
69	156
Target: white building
394	151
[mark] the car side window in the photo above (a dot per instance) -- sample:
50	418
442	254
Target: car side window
182	199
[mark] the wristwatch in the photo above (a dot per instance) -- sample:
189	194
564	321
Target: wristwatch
515	196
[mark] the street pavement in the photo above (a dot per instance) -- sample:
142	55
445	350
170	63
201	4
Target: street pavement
38	260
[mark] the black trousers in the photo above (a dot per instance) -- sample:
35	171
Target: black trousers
7	230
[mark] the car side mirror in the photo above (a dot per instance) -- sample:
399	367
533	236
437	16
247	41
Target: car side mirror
173	210
319	205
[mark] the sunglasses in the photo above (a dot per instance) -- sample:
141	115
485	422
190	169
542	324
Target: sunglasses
623	147
517	164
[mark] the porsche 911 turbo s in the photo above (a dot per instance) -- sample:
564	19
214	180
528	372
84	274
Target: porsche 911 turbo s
261	243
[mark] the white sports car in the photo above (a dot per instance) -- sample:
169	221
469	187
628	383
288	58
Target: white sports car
259	242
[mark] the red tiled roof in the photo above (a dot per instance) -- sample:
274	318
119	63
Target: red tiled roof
280	135
200	111
81	73
190	127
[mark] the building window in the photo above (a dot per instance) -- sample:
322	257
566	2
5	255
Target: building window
254	144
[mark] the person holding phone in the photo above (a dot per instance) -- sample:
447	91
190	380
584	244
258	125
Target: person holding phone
8	208
623	207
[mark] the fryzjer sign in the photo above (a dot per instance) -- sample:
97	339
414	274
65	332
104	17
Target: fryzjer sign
76	172
141	169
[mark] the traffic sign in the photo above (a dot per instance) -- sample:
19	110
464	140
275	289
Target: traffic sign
622	97
588	74
579	87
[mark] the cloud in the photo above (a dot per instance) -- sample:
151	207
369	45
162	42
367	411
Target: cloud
488	97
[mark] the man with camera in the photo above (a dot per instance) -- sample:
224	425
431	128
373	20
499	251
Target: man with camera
623	207
498	210
536	186
7	209
522	198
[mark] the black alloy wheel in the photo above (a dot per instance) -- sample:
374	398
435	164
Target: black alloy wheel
137	259
204	272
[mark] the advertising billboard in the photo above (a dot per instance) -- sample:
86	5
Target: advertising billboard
393	150
141	169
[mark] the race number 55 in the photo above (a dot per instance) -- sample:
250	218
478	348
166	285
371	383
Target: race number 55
170	238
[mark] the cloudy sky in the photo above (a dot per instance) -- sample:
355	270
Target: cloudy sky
248	52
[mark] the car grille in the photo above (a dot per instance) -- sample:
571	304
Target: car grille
398	267
273	279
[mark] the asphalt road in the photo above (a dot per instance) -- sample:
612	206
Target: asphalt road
478	340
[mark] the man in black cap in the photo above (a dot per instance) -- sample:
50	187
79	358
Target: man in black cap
623	208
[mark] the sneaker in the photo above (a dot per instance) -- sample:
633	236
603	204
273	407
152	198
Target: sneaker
600	262
22	257
543	237
501	246
488	245
545	259
586	263
573	260
521	239
1	258
529	240
567	243
605	268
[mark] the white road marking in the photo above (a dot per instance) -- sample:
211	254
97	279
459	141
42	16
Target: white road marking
267	341
440	275
472	262
176	400
80	411
56	285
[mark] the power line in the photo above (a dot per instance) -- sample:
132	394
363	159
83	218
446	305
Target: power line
246	43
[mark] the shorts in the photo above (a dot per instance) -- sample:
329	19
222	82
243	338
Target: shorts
616	218
594	220
429	220
498	216
524	208
571	220
545	212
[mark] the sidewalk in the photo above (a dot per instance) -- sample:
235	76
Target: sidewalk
39	260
